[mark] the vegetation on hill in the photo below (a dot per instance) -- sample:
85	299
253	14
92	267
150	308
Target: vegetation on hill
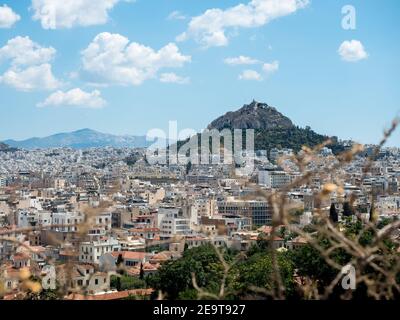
294	138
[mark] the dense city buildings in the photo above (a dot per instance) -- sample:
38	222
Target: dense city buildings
92	208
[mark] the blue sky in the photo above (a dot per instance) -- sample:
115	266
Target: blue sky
295	55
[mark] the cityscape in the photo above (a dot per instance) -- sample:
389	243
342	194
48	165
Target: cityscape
104	223
257	201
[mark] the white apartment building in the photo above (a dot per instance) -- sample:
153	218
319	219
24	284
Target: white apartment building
91	251
66	221
100	224
26	219
173	226
172	223
274	179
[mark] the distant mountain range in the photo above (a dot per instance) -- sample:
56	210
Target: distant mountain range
81	139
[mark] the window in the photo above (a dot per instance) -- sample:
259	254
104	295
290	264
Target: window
96	281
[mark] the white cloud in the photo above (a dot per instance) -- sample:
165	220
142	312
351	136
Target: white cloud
56	14
112	59
267	68
173	78
241	60
270	68
176	15
8	17
352	51
31	78
250	75
30	67
76	98
22	51
209	29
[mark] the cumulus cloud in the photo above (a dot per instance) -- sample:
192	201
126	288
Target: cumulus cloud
70	13
209	29
30	67
8	17
270	68
22	51
31	78
241	60
173	78
75	98
250	75
112	59
352	51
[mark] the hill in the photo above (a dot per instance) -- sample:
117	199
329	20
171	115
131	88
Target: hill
272	128
6	148
253	116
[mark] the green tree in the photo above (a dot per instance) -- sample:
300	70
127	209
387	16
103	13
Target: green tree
174	278
348	211
333	215
119	261
188	167
310	262
141	275
44	295
124	282
257	272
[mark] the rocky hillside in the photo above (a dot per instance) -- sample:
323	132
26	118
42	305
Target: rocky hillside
272	128
255	115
